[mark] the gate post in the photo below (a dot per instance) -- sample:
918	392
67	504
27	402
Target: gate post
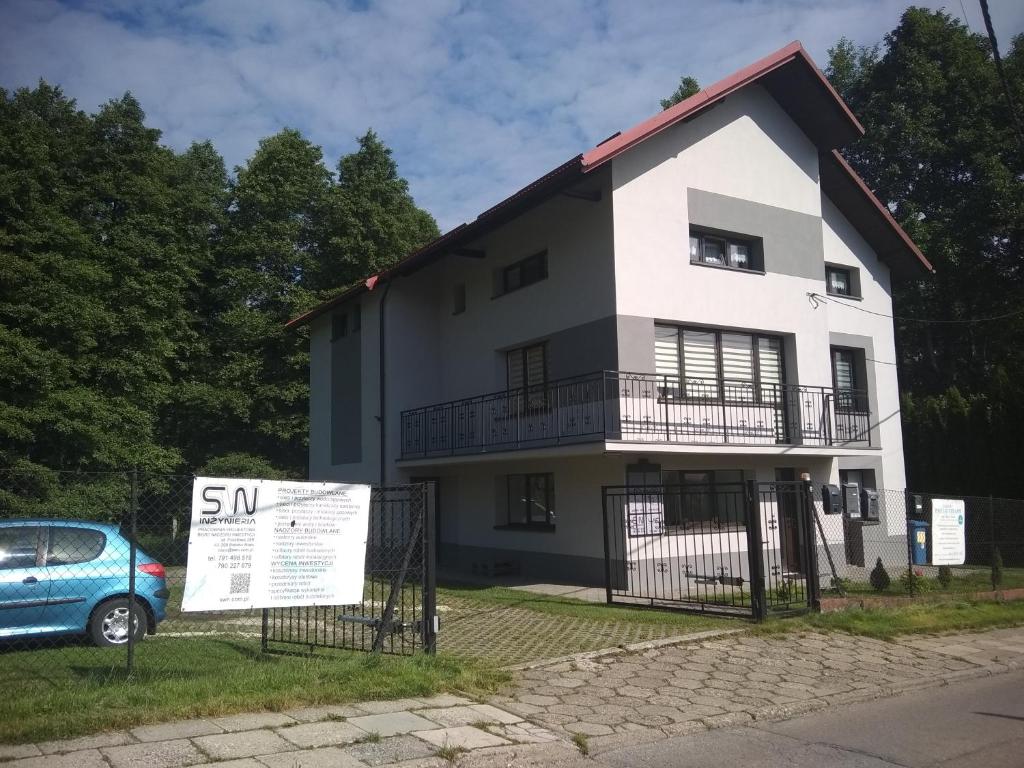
429	635
607	547
755	554
813	581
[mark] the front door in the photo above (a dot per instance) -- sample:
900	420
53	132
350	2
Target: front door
788	501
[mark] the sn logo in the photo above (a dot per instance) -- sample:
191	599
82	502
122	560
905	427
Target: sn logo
218	497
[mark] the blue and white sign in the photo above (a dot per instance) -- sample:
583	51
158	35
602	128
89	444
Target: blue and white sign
275	543
948	541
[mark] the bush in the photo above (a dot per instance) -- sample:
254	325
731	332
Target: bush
945	576
243	465
880	580
914	583
997	568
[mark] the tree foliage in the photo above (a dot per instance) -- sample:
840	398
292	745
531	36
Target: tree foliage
143	293
941	150
687	87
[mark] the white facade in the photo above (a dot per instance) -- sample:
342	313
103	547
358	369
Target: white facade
618	263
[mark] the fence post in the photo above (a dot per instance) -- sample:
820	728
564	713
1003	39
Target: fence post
429	634
812	546
755	553
910	544
133	513
607	548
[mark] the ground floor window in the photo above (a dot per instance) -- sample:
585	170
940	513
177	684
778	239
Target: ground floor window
704	500
531	500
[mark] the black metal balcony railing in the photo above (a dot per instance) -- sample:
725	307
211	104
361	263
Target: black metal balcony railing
638	407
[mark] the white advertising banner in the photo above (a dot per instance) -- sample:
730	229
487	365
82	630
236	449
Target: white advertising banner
948	542
275	544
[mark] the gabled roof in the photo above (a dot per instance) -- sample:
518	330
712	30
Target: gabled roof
797	85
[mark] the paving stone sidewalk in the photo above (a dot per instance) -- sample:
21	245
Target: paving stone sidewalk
412	733
611	699
620	699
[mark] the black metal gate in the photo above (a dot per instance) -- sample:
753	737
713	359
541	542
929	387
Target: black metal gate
737	548
398	611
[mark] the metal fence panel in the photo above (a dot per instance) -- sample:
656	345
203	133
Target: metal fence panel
94	565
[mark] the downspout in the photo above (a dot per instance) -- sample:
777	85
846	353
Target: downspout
382	397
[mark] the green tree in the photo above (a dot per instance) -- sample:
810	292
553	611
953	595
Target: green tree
90	285
941	151
687	87
257	398
370	219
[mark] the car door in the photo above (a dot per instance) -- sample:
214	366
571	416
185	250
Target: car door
24	587
80	575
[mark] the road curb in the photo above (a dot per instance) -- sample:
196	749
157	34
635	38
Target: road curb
647	645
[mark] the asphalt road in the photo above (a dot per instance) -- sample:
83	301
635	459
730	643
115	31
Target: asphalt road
974	724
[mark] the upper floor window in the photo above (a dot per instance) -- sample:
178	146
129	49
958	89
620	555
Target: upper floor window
729	251
527	367
524	272
714	364
842	281
848	379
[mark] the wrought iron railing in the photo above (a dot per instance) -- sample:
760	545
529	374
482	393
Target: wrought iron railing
638	407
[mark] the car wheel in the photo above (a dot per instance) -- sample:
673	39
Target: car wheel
109	623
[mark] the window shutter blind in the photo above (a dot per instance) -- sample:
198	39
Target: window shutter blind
666	350
700	366
738	366
536	366
515	369
769	363
843	365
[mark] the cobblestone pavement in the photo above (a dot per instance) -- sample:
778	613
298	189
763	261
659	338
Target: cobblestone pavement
514	634
605	700
412	733
626	698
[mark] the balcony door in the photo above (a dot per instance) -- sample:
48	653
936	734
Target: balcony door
851	406
527	371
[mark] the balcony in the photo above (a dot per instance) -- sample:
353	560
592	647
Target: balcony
639	408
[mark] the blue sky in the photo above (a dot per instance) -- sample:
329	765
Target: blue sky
476	98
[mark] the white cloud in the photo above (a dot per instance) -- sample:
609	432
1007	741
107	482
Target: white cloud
476	98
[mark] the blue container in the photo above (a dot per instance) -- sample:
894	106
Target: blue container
919	541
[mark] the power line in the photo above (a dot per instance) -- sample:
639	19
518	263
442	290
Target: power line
926	321
999	68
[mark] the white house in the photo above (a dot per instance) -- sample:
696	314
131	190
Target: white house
701	299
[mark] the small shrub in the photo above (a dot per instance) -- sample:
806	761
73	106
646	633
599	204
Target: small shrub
914	583
997	568
880	580
945	576
449	752
580	740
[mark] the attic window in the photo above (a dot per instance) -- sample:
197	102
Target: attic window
522	273
729	251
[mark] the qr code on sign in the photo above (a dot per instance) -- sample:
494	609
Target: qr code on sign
239	583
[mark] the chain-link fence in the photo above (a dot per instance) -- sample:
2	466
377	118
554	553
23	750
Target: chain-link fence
889	549
93	567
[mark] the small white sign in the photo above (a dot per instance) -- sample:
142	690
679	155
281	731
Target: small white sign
949	545
644	515
275	543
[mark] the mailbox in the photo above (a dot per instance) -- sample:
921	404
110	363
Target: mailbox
869	505
851	501
831	500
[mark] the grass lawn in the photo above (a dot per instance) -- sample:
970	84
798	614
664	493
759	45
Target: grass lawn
556	605
51	693
923	617
964	579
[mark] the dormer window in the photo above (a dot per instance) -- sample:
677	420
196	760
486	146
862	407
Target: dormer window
728	251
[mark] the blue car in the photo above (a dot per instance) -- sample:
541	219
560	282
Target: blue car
70	577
